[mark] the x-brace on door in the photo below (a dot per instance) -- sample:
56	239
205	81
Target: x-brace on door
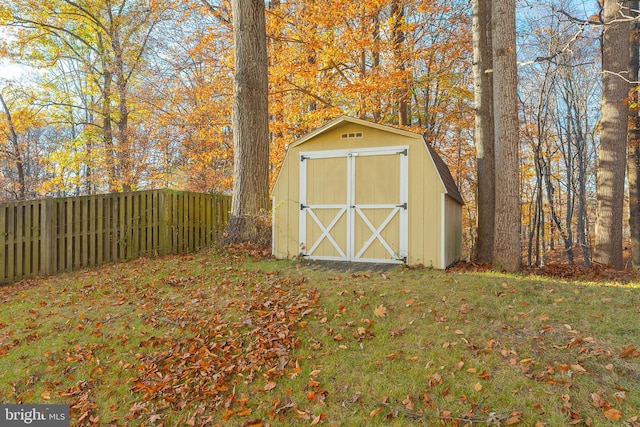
354	204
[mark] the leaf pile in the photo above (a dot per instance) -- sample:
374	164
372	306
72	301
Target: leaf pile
204	367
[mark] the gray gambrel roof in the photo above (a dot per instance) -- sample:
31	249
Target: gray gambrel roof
445	175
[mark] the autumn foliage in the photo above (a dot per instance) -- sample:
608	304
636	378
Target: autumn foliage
140	96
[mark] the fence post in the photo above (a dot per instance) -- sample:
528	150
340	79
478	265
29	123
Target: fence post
3	240
165	222
47	247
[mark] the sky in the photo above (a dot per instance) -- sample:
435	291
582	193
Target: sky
10	71
7	69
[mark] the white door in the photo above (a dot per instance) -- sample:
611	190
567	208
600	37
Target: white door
354	205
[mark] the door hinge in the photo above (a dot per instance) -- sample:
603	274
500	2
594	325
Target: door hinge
303	207
404	152
403	206
303	158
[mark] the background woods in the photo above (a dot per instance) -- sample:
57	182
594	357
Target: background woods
126	94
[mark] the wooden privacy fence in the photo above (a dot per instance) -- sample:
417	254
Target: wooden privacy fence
43	237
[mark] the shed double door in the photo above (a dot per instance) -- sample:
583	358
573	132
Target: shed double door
354	205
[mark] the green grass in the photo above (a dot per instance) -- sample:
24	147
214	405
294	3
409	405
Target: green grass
216	339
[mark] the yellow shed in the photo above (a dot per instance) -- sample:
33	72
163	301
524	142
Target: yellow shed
354	190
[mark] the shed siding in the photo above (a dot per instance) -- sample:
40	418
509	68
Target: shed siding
287	207
453	231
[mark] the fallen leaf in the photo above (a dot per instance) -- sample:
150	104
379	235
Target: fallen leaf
380	311
484	375
375	412
243	412
613	414
464	309
303	414
578	368
477	386
514	418
313	383
629	351
408	403
397	331
597	400
270	386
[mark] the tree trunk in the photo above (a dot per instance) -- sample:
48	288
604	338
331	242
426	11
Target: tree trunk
17	156
107	130
506	247
399	38
124	149
633	159
250	120
484	141
613	138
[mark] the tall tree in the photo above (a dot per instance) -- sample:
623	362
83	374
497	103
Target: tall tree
633	158
483	91
250	120
21	142
506	245
613	136
15	150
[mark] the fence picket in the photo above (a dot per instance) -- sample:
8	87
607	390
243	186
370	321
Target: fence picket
3	242
11	250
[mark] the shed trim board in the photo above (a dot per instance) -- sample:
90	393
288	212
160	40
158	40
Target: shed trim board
443	233
356	213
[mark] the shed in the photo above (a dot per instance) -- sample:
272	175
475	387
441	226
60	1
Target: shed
359	191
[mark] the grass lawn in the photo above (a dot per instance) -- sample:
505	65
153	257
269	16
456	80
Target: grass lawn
223	339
